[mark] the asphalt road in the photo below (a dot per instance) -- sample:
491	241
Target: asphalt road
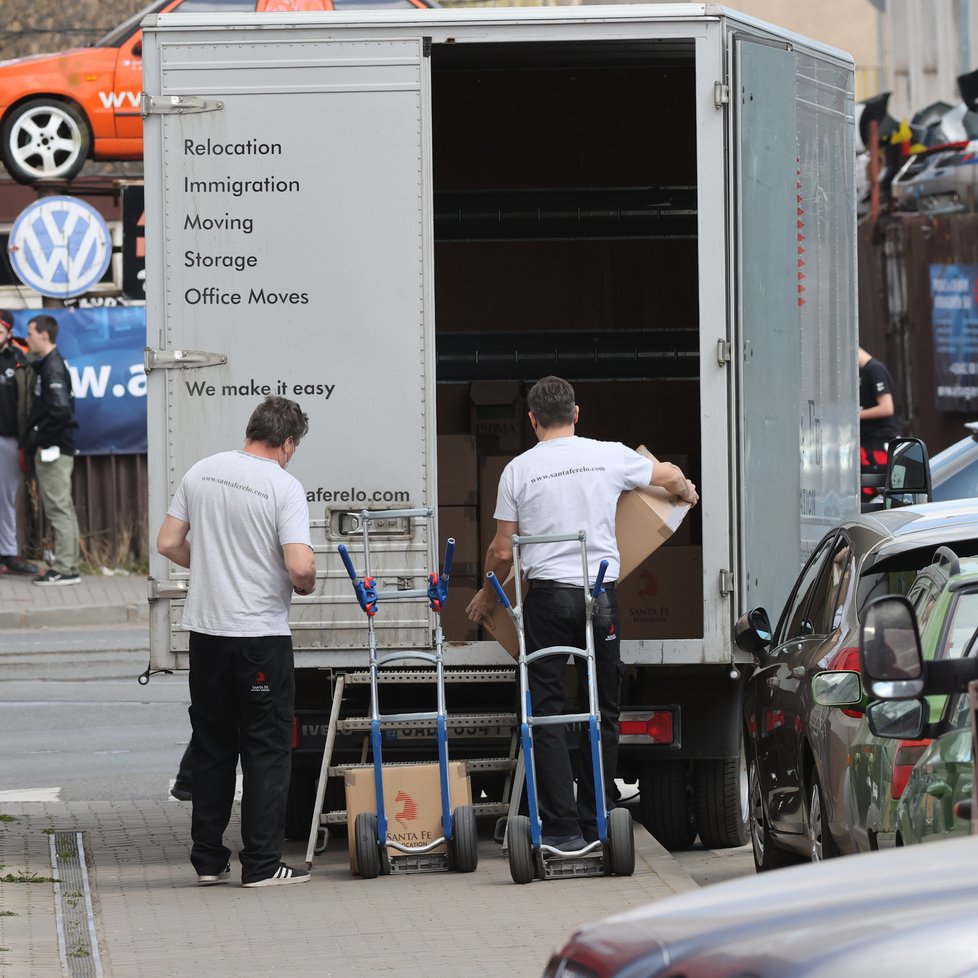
107	740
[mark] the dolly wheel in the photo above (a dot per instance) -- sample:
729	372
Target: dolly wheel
464	847
621	842
521	862
367	848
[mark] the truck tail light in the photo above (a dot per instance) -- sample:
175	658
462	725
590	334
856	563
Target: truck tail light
656	726
907	754
847	658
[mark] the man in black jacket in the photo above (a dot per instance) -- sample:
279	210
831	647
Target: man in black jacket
50	440
13	362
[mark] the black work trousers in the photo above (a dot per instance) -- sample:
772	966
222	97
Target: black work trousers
555	616
242	696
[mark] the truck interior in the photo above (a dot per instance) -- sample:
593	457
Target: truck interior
585	268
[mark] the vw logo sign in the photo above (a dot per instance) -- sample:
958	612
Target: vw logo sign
60	247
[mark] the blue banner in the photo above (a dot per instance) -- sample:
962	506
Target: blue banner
954	316
104	349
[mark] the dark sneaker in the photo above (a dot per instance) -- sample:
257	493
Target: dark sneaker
181	791
210	879
284	874
53	578
566	844
14	565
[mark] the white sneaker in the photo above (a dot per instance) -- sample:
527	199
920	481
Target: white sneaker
284	874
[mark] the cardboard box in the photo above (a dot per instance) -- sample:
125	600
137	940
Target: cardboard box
490	469
453	409
412	796
663	597
460	523
645	519
498	416
455	624
458	470
682	536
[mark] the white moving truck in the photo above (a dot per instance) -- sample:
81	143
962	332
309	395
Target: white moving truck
402	219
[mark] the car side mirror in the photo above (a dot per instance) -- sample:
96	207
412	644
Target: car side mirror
837	687
898	719
753	632
892	661
907	473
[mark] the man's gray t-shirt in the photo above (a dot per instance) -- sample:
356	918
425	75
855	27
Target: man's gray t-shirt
242	510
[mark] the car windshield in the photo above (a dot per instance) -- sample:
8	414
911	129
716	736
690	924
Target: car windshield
123	32
119	35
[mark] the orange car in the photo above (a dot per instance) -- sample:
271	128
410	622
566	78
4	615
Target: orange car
57	110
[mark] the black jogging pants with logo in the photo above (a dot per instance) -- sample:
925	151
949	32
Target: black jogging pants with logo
242	698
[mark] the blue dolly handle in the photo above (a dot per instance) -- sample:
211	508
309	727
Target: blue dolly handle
366	590
438	583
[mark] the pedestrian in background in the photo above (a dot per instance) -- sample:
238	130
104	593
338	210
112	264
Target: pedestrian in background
561	485
13	371
240	523
49	443
877	418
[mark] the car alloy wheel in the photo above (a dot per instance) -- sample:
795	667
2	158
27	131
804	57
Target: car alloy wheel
44	139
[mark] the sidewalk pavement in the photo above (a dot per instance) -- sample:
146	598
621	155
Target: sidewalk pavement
146	916
100	599
153	921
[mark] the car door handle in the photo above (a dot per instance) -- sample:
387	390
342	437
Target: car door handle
798	672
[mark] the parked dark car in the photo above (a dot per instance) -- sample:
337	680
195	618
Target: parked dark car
903	913
882	770
798	752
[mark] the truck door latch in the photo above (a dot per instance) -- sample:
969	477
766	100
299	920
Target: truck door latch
176	104
168	359
726	582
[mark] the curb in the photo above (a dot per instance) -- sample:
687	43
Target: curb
71	616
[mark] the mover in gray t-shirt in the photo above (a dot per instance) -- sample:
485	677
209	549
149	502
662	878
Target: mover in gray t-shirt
240	523
561	485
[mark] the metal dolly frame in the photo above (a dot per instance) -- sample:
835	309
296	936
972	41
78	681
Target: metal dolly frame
459	832
613	853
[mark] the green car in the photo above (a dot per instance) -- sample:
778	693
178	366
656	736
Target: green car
881	770
943	776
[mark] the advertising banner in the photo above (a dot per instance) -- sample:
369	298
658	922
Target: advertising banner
104	349
954	317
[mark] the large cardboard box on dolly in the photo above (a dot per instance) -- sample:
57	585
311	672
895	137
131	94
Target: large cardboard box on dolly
412	793
646	518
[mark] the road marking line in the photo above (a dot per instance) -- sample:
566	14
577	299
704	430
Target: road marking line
31	794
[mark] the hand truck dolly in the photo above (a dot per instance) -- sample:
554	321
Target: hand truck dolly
613	853
459	832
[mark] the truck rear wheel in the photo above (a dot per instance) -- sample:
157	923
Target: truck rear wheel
720	801
666	803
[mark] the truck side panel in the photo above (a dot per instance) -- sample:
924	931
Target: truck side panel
288	224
